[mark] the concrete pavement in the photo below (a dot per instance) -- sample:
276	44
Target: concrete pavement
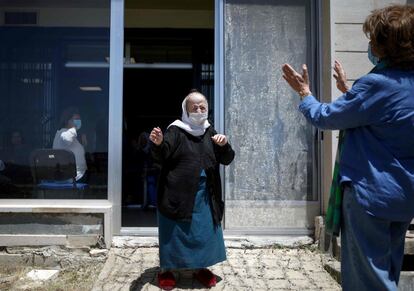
267	268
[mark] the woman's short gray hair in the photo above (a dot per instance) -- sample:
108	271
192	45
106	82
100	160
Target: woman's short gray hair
194	93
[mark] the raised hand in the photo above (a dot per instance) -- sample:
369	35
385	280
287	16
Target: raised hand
298	82
340	77
219	139
156	136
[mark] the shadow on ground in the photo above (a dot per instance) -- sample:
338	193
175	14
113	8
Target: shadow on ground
185	280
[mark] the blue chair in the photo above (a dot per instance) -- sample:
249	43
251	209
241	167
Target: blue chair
54	170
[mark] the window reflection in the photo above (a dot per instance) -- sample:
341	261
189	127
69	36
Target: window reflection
37	85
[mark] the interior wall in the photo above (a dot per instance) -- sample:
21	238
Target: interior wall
134	18
171	18
168	4
64	17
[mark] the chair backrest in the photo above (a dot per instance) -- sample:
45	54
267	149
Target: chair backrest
53	165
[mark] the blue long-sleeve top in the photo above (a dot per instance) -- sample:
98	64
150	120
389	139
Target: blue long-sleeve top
378	150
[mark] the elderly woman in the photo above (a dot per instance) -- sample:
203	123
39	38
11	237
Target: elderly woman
67	138
190	206
376	166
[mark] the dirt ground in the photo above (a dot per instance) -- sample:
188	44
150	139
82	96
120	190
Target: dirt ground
80	278
78	268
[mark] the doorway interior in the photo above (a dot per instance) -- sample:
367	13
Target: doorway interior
161	66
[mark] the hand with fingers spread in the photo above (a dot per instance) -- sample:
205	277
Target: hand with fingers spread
219	139
340	77
298	82
156	136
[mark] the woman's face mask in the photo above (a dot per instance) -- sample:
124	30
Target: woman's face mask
374	60
77	123
197	118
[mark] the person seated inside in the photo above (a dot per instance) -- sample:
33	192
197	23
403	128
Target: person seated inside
18	151
67	138
16	158
7	188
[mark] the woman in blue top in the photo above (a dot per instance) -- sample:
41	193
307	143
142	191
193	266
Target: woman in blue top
376	166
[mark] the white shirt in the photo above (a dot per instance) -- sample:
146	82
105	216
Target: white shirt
67	139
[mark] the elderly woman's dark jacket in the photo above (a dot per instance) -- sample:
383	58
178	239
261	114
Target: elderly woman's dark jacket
182	157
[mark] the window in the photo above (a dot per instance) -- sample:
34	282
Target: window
54	69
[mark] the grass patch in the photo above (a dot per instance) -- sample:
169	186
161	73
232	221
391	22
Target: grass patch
80	278
10	275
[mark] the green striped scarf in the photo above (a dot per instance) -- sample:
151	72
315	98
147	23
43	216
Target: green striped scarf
334	212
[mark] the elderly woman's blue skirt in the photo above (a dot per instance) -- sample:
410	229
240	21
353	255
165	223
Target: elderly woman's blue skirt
194	244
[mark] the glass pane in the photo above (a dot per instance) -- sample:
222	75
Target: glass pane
273	142
54	79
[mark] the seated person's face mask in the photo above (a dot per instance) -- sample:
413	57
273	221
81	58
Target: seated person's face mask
77	123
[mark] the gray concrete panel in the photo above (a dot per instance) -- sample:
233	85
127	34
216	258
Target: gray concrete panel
42	223
272	140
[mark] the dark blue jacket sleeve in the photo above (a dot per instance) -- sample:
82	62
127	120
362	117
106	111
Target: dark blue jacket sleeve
169	144
356	107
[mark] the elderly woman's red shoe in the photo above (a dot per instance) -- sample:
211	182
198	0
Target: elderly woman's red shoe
166	280
206	277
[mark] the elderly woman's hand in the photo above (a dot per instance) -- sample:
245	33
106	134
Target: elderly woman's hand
219	139
340	77
156	136
299	83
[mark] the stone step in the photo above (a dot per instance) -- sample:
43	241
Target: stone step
409	243
333	267
408	248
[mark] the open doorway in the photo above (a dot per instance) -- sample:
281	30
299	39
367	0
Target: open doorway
161	65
